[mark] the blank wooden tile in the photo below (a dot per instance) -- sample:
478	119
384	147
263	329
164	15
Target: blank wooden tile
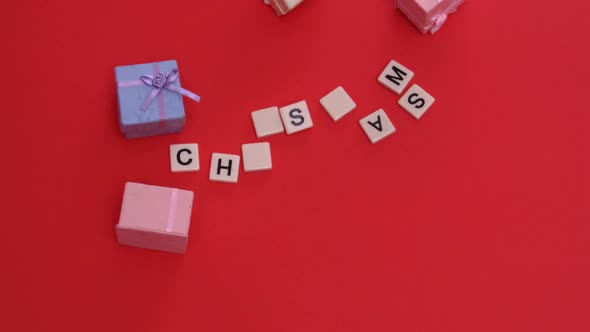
184	157
337	103
267	122
416	101
256	157
377	126
395	77
224	167
296	117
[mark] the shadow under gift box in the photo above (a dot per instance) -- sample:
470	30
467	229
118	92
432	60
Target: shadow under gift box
165	114
155	217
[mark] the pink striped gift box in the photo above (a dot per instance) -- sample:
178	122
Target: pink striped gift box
155	217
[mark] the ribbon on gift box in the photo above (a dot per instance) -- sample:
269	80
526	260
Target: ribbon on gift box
438	22
159	81
172	211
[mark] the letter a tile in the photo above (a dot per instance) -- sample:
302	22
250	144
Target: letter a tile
377	126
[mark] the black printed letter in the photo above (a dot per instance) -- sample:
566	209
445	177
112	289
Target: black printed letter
416	101
398	75
293	115
220	167
377	124
188	162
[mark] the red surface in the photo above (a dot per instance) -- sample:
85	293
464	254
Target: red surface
474	218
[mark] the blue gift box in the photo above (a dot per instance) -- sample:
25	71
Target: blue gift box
150	99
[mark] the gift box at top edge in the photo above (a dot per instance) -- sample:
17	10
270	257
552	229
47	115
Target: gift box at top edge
428	15
150	99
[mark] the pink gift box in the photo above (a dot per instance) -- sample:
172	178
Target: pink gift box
428	15
155	217
282	7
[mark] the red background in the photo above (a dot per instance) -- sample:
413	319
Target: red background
474	218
